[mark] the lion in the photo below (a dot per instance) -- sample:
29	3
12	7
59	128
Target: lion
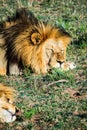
8	111
31	43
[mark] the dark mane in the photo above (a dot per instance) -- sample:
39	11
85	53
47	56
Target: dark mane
22	15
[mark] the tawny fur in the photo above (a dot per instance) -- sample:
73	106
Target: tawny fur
7	109
32	43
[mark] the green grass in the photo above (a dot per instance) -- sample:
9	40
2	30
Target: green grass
58	100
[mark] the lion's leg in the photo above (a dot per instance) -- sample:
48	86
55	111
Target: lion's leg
3	62
42	66
44	69
39	68
2	71
13	69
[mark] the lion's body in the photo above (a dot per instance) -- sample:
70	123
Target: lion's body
32	43
7	109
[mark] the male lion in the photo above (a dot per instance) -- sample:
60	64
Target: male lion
28	42
7	110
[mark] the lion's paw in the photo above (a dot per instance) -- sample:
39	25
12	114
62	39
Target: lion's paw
68	66
14	70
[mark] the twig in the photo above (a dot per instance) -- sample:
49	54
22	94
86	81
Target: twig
55	82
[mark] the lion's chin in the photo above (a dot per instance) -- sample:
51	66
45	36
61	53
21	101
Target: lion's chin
7	116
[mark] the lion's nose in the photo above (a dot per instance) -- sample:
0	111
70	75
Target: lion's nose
17	110
60	62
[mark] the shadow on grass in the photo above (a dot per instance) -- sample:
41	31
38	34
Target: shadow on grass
82	40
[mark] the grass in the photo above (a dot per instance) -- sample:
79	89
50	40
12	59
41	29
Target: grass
58	100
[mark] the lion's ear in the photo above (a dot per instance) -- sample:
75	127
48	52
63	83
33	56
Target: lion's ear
36	38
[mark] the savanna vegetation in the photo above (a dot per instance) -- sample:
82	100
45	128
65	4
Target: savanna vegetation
58	100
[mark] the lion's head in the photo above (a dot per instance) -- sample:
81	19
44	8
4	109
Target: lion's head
59	55
54	41
8	111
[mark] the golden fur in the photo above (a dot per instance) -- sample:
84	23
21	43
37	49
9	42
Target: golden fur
33	44
7	109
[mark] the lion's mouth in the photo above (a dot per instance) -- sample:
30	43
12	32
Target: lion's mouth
11	113
9	116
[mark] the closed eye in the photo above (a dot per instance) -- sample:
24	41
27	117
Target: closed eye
8	100
62	51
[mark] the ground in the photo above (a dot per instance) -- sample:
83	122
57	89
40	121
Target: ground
58	100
